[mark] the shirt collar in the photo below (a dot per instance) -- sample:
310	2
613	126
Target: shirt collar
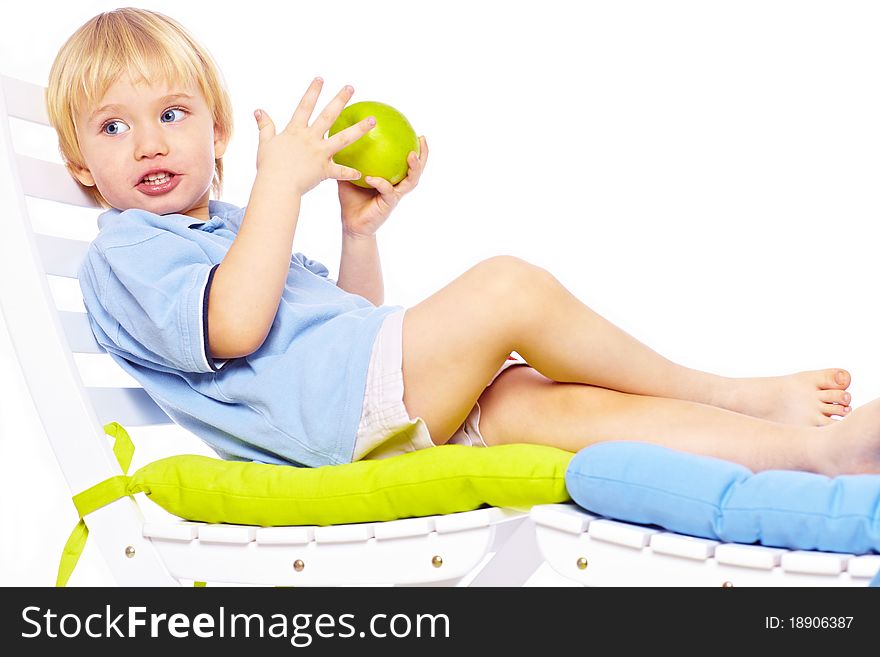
218	211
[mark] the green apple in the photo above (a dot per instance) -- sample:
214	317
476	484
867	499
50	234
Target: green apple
383	150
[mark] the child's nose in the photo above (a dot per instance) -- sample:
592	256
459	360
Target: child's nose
150	143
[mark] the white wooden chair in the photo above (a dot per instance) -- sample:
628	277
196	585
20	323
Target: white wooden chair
489	546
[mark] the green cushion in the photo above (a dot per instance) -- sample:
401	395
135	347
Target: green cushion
434	481
439	480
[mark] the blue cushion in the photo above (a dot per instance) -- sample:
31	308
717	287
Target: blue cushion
712	498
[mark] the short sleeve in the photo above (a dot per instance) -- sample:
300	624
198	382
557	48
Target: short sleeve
312	265
149	301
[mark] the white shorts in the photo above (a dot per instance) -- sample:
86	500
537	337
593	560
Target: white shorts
386	429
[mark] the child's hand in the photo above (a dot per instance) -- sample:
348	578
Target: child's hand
299	155
365	210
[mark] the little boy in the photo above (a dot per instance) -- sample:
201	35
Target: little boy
266	358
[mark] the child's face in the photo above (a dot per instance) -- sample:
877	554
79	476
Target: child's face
141	129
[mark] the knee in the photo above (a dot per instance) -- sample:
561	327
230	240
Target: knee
511	279
513	296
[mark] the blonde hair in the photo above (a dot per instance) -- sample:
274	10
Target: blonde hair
147	46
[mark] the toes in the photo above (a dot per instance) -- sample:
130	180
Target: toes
835	409
841	397
836	379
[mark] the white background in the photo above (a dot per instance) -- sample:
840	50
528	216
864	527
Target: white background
705	174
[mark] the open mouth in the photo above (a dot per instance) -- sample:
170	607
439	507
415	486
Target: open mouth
157	178
159	182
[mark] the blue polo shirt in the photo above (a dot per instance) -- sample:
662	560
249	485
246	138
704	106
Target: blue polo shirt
296	400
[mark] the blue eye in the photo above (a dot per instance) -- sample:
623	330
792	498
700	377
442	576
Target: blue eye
168	116
110	128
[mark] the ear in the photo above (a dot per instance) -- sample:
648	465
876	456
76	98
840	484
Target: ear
221	141
83	175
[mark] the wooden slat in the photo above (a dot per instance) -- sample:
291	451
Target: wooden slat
403	528
621	533
51	181
236	534
457	522
564	517
128	406
171	531
679	545
61	256
344	533
79	333
749	556
816	563
25	100
866	565
285	535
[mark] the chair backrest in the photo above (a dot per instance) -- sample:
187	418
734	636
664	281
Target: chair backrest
45	338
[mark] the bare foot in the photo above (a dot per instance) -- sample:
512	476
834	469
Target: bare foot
805	399
851	446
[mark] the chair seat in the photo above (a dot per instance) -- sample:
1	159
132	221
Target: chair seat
431	550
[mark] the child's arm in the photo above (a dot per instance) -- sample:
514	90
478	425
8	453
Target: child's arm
363	212
248	284
360	270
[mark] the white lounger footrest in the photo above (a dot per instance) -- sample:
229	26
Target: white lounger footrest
586	549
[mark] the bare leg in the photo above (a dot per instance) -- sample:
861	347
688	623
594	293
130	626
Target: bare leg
523	406
454	342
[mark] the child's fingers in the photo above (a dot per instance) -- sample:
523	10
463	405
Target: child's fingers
331	112
265	125
339	172
423	151
350	135
381	185
306	106
416	164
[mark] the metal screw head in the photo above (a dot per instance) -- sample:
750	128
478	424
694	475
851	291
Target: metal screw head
298	565
129	551
727	585
437	561
582	563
